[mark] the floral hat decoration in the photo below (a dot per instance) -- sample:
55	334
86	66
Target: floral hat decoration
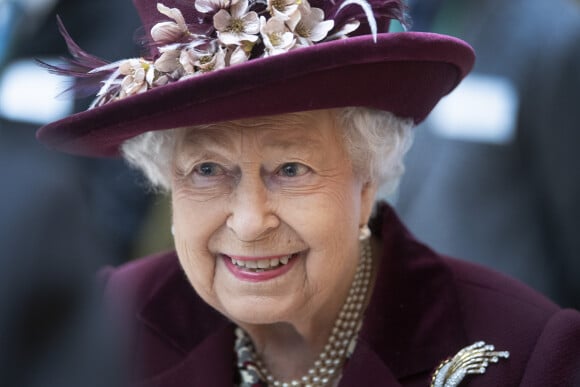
216	60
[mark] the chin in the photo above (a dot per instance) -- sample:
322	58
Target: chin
256	311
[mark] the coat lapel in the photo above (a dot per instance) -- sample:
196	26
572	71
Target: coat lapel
413	321
366	368
176	321
210	363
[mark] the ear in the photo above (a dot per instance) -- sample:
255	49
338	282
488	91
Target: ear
368	194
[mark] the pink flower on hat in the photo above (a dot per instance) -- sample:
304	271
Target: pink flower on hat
311	27
170	31
221	33
212	6
277	38
211	61
283	8
237	25
169	63
139	76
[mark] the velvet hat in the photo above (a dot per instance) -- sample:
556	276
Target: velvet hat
216	60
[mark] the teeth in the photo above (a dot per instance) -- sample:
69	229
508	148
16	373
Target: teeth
263	264
252	264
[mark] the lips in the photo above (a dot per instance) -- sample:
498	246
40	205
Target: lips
256	269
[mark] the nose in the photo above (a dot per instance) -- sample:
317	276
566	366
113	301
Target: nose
251	214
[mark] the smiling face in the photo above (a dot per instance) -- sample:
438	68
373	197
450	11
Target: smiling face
266	214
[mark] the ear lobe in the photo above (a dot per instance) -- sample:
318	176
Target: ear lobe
368	194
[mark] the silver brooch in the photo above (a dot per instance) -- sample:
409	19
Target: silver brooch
470	360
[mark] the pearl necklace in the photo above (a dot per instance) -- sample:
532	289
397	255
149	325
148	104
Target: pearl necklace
340	345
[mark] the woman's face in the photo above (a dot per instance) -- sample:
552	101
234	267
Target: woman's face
266	214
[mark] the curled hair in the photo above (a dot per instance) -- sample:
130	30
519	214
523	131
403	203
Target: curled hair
152	153
375	140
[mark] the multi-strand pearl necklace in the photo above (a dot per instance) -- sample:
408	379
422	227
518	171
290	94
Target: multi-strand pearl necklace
340	345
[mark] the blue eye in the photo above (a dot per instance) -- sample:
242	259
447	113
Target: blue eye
292	170
208	169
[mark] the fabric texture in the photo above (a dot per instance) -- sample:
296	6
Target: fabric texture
424	308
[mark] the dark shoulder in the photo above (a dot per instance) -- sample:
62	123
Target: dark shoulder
140	278
162	317
481	284
497	303
542	338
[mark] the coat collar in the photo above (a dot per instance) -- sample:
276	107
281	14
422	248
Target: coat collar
203	337
413	320
412	323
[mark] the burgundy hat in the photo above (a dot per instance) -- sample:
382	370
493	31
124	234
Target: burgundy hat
217	60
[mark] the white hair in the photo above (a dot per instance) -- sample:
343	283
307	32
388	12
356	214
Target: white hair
375	140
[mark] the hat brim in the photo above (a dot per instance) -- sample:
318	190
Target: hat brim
405	73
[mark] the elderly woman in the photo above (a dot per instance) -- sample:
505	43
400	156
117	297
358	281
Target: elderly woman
273	125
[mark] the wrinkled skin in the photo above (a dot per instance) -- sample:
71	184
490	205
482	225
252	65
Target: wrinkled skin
266	187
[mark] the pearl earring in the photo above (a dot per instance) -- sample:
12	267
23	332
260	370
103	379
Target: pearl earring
364	233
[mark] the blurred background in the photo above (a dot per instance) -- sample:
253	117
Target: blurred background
493	176
61	217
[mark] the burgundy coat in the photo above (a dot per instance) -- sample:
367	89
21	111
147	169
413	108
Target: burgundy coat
424	308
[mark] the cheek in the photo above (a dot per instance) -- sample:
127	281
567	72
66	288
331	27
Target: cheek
333	211
332	259
332	225
194	225
328	223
